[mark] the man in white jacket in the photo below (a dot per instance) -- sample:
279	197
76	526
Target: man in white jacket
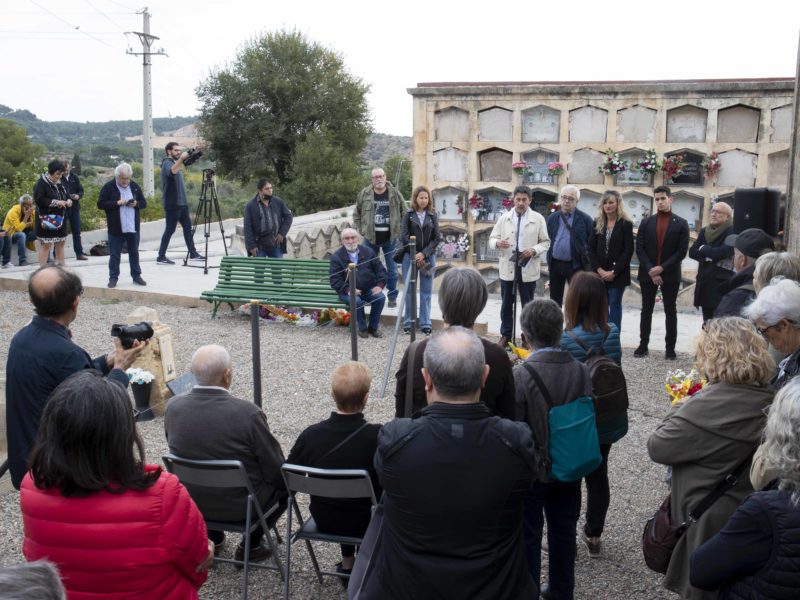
521	236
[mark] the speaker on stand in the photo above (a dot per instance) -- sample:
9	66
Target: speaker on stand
757	208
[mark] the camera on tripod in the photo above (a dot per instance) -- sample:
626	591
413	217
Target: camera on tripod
208	175
127	334
193	156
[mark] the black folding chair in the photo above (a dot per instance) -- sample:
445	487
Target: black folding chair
229	474
329	483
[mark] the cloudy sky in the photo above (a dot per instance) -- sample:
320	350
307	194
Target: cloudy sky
66	60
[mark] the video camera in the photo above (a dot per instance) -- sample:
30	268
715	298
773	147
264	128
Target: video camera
193	156
127	334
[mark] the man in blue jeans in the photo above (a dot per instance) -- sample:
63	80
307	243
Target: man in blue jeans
176	208
18	228
370	281
378	217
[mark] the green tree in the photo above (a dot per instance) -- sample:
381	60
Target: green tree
19	164
398	171
281	88
322	177
76	164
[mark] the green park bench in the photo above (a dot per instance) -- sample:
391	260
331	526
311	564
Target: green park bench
276	281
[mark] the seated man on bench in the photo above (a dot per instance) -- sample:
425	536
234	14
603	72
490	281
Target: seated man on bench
370	281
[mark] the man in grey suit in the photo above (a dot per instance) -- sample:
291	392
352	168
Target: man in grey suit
210	424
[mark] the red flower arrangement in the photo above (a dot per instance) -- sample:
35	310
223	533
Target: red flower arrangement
712	165
673	166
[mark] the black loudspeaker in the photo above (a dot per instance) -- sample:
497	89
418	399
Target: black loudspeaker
756	208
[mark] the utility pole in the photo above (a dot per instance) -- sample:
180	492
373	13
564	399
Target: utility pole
147	130
792	223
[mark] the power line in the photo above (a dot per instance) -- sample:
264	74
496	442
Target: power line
109	19
71	26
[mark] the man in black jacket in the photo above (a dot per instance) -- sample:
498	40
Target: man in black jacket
122	199
267	220
370	281
739	291
42	355
713	256
74	189
454	480
661	245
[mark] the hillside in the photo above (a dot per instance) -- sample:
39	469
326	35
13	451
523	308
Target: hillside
380	146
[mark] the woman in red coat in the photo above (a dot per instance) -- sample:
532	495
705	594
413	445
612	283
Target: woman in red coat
116	528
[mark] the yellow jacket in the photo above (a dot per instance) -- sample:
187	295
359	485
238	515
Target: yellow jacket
13	222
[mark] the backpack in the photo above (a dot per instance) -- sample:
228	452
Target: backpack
573	443
610	391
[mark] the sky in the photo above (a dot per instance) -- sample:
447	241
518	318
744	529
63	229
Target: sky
66	59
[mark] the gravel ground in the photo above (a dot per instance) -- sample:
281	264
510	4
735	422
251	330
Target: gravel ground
296	366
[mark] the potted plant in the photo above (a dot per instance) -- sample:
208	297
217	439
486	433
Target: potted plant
613	163
673	166
141	384
520	167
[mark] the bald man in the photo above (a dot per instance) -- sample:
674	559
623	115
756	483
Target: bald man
42	355
715	267
209	423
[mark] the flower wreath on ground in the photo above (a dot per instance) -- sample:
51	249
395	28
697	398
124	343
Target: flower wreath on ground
270	313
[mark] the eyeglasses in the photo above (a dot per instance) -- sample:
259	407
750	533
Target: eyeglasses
763	332
569	198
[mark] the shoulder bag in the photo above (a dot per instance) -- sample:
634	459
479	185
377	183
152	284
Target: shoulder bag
586	264
661	535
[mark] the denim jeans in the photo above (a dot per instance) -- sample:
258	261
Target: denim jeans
391	266
274	252
20	238
425	287
367	297
560	504
73	217
173	217
115	246
615	305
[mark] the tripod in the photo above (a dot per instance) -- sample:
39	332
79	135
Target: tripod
208	202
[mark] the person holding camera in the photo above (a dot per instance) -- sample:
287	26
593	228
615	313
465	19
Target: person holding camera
267	220
122	199
42	355
521	236
176	208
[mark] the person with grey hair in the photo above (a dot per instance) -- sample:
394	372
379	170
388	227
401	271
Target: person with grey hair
520	236
775	264
122	200
462	297
37	580
568	229
558	502
18	228
454	479
776	314
209	423
756	553
714	259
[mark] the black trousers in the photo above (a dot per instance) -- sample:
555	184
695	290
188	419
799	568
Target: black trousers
561	271
669	295
598	496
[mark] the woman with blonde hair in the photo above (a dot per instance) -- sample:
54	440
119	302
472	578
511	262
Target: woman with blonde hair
610	250
757	552
712	435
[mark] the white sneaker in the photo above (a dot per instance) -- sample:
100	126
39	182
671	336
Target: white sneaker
7	265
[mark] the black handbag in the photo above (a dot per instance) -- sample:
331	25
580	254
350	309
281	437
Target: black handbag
661	535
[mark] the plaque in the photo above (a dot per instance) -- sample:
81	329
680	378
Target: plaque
692	171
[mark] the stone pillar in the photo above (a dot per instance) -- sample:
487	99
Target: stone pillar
158	357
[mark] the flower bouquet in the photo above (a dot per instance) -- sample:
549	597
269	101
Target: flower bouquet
555	169
613	163
507	203
139	376
712	165
477	206
649	163
334	316
520	167
681	385
462	243
673	166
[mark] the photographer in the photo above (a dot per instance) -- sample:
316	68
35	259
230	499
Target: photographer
521	236
122	199
176	208
42	355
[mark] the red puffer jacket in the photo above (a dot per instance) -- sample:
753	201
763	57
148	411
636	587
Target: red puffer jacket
138	544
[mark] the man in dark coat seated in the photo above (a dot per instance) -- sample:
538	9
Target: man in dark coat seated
739	291
370	281
454	480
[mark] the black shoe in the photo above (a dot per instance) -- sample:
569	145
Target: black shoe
345	581
163	260
81	257
112	283
376	333
196	256
258	554
362	333
427	330
544	591
407	330
594	545
641	351
670	355
392	303
139	281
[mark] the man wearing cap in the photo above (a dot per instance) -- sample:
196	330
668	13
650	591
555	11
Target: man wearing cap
739	291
